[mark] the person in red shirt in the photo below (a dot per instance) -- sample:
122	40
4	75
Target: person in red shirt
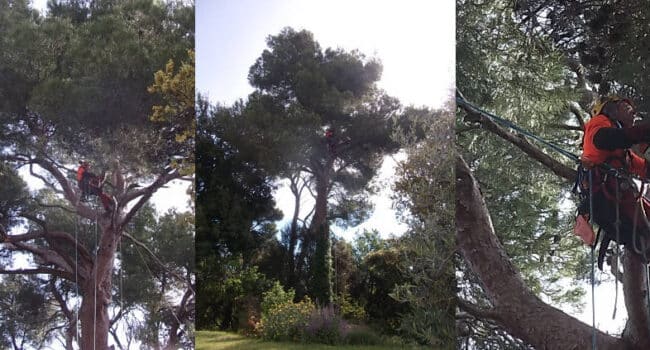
91	184
607	140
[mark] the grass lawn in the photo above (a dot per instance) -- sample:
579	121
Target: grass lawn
208	340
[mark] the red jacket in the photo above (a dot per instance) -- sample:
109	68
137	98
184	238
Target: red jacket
80	172
619	158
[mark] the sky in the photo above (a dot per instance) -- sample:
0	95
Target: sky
414	40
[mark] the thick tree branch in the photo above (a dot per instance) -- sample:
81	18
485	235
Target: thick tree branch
68	191
49	257
45	205
637	328
62	304
43	179
51	235
144	194
577	112
521	312
477	311
520	142
40	270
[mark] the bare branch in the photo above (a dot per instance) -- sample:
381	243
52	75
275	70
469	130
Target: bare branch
155	258
567	127
49	258
465	129
62	304
42	178
68	191
145	194
40	270
40	222
551	163
477	311
577	112
45	205
516	304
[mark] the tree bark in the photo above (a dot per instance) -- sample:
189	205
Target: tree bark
319	230
514	306
535	153
96	291
637	328
292	273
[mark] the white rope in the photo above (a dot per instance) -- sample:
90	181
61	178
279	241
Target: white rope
76	274
593	273
121	269
95	291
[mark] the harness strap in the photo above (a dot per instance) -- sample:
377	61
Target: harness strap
604	245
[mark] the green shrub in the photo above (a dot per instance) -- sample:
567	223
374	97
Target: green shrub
285	321
351	309
276	296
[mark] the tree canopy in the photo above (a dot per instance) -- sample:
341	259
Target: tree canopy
75	87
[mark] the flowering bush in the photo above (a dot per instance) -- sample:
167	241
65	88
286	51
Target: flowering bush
282	319
326	326
276	296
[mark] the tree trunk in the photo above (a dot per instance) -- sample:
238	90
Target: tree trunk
292	273
96	291
637	328
319	230
515	307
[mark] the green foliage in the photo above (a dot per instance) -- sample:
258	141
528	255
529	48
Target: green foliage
229	292
427	255
177	116
13	196
286	321
83	70
22	300
610	44
381	272
275	297
366	242
351	309
233	192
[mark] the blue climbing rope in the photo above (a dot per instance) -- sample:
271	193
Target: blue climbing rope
504	122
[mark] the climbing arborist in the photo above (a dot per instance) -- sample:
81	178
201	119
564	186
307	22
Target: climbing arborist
607	140
91	184
329	139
